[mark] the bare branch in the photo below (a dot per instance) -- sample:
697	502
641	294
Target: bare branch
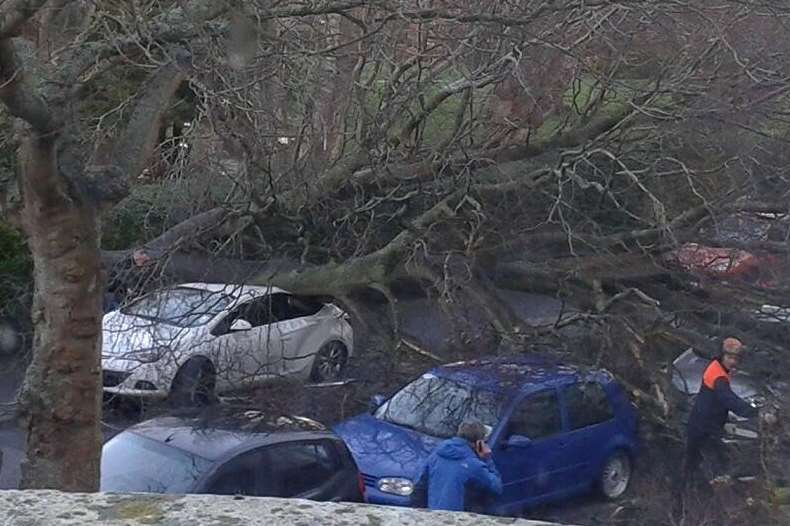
132	151
182	23
17	90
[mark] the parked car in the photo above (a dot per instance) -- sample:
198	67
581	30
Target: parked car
725	263
556	430
763	271
194	339
231	452
772	314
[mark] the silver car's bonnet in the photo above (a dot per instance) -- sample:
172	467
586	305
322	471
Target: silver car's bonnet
687	371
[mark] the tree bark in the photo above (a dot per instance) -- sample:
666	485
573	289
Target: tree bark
60	402
61	396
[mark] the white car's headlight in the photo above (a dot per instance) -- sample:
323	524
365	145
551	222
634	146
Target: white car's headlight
396	486
148	355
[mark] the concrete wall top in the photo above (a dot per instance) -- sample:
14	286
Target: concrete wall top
52	508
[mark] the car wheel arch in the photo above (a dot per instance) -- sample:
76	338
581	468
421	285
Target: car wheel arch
621	443
324	345
201	359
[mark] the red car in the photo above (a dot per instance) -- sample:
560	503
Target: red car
724	263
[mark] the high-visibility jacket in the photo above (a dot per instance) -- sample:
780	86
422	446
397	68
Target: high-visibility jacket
714	401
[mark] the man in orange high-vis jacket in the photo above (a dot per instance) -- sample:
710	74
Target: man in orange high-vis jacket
709	414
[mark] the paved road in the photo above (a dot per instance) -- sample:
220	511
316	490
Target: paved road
11	372
12	438
12	443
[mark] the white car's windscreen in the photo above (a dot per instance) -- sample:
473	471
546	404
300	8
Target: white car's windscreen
181	306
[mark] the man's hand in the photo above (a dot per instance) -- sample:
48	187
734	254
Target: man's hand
768	418
482	450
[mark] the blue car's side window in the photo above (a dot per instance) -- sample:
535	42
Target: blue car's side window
587	405
537	416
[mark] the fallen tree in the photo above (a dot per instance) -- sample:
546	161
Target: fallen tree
358	146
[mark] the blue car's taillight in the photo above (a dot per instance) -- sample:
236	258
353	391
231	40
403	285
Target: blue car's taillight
361	485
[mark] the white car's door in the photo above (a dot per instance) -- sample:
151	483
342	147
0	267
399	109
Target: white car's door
296	325
247	346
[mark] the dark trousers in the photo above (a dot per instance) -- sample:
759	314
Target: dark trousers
706	457
478	502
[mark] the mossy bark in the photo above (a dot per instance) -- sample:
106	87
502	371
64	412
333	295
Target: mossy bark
61	396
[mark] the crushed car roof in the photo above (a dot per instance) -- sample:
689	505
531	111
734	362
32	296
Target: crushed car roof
233	290
516	373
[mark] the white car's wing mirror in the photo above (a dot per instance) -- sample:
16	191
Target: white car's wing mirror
240	326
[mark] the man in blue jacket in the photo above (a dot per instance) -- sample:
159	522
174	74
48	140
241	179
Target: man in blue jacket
459	466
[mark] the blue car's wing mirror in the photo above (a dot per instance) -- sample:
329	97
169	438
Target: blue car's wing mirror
489	430
518	441
376	401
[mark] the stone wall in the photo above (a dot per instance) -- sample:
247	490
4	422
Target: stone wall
52	508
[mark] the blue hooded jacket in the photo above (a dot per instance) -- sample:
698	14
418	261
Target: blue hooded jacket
451	470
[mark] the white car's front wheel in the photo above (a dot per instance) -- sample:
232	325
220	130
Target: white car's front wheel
194	384
330	362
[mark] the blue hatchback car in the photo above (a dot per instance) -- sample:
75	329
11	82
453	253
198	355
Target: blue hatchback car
555	430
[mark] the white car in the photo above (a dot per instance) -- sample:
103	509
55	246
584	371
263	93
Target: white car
191	340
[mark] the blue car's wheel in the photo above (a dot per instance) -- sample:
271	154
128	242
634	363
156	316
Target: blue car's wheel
615	475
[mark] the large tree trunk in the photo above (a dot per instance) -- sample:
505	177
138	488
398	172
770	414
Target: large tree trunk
61	397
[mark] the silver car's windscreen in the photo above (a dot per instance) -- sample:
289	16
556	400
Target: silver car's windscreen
133	463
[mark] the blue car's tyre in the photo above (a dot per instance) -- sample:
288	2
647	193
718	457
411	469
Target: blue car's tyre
615	475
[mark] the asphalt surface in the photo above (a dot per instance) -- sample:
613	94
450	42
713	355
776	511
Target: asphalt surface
12	443
12	439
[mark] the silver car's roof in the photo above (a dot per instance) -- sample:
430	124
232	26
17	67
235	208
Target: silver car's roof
219	431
